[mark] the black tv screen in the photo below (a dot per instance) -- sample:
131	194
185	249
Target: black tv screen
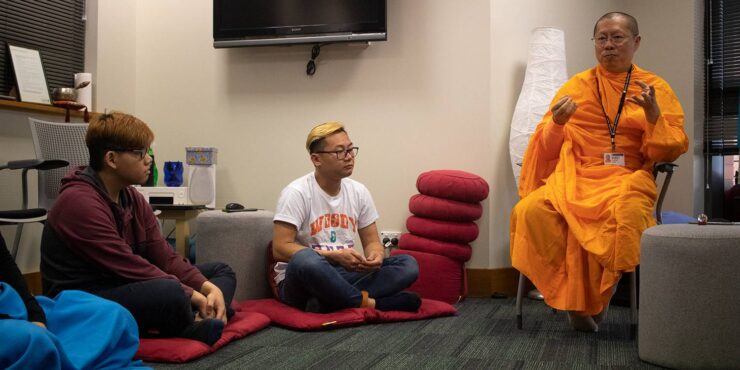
273	22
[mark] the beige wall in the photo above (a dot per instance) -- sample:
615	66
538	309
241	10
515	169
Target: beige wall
415	103
438	94
669	42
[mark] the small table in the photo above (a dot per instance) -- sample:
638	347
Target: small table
182	214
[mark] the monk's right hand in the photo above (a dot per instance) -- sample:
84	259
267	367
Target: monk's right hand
348	258
563	110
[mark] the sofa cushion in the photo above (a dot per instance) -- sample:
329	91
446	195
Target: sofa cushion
453	184
239	239
444	209
449	231
270	269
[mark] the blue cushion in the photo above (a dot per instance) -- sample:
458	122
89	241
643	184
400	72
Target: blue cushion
676	218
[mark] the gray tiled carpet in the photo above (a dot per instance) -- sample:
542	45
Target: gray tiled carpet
482	336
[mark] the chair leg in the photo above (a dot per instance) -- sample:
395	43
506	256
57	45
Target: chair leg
633	304
16	241
519	296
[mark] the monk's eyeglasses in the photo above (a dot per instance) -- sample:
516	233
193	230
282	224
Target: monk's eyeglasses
617	40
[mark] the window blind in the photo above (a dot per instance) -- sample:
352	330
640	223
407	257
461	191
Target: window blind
53	27
723	77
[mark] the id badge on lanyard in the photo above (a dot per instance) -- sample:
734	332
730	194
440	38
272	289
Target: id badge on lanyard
614	158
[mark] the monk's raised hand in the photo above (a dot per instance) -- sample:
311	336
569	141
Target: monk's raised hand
563	110
647	101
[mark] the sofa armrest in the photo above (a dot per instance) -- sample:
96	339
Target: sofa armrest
240	240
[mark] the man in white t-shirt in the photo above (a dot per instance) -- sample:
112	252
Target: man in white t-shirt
316	220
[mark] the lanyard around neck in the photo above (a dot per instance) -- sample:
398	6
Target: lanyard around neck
613	126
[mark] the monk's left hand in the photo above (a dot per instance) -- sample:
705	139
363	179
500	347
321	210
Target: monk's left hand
647	101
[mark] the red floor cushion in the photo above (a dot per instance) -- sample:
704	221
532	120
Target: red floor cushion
440	278
179	350
444	209
293	318
453	184
449	231
458	252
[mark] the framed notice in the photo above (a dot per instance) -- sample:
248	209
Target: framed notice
29	75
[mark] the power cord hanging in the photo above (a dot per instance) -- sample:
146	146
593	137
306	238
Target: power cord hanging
311	66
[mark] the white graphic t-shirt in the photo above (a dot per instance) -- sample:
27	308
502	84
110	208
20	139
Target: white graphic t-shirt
324	222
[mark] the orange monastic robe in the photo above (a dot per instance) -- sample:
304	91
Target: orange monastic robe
578	224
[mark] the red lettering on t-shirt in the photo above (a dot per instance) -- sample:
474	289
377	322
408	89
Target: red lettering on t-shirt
335	220
316	225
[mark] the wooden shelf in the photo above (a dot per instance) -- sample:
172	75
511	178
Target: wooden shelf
38	108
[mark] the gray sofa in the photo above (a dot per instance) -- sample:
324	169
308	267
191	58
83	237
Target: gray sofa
239	239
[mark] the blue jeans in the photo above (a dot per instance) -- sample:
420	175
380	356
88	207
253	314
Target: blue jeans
310	275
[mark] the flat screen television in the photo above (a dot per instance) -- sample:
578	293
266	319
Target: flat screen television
280	22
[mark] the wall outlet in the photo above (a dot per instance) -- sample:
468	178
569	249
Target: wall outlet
389	239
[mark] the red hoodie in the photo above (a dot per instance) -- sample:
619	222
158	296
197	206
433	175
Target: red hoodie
91	243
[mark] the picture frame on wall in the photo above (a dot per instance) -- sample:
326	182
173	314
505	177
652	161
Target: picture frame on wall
30	79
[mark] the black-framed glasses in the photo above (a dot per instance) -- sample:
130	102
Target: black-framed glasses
141	153
617	40
342	153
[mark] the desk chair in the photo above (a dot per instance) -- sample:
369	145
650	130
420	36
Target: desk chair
662	167
57	140
25	215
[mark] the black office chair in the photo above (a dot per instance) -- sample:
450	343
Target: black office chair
25	215
662	167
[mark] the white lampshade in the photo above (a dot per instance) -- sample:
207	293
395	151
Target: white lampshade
546	73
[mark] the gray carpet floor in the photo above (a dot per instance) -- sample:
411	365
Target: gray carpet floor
482	335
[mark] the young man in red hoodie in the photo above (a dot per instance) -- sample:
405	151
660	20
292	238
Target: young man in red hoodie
101	236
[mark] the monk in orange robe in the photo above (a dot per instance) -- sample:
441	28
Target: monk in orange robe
586	186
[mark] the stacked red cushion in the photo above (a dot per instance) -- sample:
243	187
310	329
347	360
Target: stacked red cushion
448	231
444	209
458	252
453	184
441	228
440	277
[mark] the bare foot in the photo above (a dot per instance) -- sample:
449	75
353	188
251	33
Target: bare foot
582	323
601	316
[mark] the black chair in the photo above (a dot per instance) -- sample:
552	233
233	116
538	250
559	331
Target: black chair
662	167
26	215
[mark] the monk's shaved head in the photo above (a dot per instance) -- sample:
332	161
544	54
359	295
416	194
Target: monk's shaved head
631	21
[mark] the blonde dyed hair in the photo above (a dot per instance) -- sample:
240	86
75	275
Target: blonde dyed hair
115	131
319	133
